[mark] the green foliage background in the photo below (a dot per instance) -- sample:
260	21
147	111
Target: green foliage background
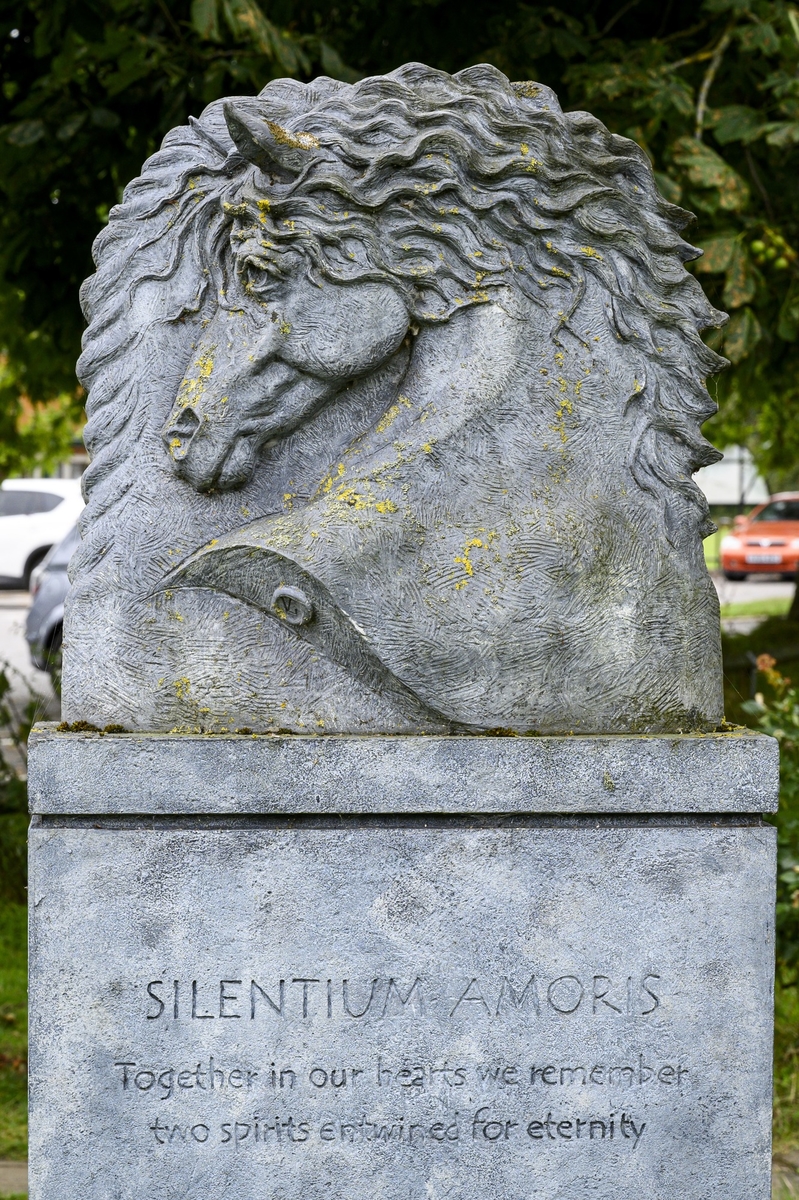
711	91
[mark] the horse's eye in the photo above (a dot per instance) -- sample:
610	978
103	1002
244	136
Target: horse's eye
256	277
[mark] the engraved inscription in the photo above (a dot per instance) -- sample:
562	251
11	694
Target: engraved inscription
275	1089
314	997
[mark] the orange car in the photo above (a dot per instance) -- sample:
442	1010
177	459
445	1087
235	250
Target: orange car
766	542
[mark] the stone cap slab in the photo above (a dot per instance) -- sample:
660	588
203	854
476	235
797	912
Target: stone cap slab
111	773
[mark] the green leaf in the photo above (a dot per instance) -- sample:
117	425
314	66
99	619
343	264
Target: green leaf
246	21
741	282
104	118
70	127
718	253
788	321
758	37
333	65
669	188
735	123
782	133
26	133
706	169
741	335
205	19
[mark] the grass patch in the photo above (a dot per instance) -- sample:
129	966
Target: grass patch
769	606
786	1068
712	548
13	1031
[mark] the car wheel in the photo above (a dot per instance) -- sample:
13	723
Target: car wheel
54	658
32	563
734	576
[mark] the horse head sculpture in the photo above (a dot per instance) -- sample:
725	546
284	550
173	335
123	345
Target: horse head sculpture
452	325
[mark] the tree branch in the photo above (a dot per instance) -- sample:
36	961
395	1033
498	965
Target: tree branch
625	8
758	182
707	82
702	56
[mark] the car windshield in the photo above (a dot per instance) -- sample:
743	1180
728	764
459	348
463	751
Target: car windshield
24	504
779	510
59	556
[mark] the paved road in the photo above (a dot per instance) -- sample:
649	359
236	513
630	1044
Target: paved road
750	589
14	652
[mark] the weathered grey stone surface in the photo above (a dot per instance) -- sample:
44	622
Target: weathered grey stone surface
129	773
395	395
564	1013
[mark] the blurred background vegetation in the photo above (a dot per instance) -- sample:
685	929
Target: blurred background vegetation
709	89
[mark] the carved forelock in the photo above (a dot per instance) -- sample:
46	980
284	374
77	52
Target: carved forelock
449	187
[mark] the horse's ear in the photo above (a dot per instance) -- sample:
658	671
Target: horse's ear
274	149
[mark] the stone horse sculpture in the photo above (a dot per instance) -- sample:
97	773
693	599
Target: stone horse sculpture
395	395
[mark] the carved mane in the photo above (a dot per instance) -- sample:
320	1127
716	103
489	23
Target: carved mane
448	186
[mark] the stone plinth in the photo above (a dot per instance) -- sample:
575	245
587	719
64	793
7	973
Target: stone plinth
285	967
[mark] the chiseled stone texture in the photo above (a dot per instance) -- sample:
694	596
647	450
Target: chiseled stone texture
395	395
130	773
540	1012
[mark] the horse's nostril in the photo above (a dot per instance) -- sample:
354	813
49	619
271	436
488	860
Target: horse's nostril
178	433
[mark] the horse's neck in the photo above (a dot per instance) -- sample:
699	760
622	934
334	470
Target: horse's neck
499	403
463	367
295	466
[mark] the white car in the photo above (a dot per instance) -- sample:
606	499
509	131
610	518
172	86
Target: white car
35	514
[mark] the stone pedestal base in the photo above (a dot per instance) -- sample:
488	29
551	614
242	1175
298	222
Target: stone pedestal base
413	1006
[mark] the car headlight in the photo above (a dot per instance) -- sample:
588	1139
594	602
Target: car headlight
730	543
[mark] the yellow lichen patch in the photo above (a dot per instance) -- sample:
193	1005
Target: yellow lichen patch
386	506
192	386
297	141
390	415
284	328
352	498
591	252
525	149
182	688
563	410
212	542
557	271
290	224
327	482
465	560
